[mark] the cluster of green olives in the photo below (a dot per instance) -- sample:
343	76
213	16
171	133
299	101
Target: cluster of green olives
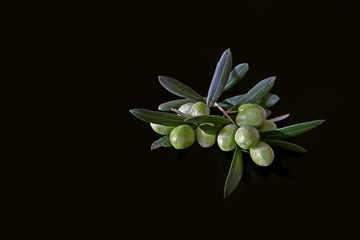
250	120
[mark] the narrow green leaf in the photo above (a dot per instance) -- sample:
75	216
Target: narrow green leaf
291	131
225	105
167	106
179	89
221	75
235	173
163	118
161	142
268	100
208	119
211	129
236	75
257	92
232	100
284	145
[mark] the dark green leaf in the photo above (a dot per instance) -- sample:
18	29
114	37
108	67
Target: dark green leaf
208	119
163	118
221	75
161	142
236	75
257	92
167	106
225	105
284	145
291	131
179	89
235	173
211	129
268	100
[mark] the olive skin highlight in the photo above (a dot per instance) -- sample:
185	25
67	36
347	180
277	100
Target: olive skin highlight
161	129
251	114
247	137
226	137
182	137
262	154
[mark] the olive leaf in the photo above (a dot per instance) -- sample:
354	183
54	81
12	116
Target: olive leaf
211	129
268	100
179	89
208	119
290	131
161	142
229	102
220	77
284	145
235	173
167	106
163	118
256	93
236	75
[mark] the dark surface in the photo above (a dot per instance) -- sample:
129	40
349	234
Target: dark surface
90	173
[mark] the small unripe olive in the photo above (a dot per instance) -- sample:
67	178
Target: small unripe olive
251	114
182	137
247	137
262	154
185	108
199	109
204	139
267	126
226	137
161	129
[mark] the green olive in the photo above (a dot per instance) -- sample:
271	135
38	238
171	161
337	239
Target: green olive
161	129
182	137
205	140
251	114
185	108
267	126
247	136
226	137
199	109
262	154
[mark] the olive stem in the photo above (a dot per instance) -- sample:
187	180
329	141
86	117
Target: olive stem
224	112
180	113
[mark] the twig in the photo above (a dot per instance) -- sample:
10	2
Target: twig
224	112
180	113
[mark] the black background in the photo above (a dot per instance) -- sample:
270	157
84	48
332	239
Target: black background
90	173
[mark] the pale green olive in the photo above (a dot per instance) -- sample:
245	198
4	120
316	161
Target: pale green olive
199	109
185	108
161	129
182	137
204	139
247	137
267	126
251	114
226	137
262	154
